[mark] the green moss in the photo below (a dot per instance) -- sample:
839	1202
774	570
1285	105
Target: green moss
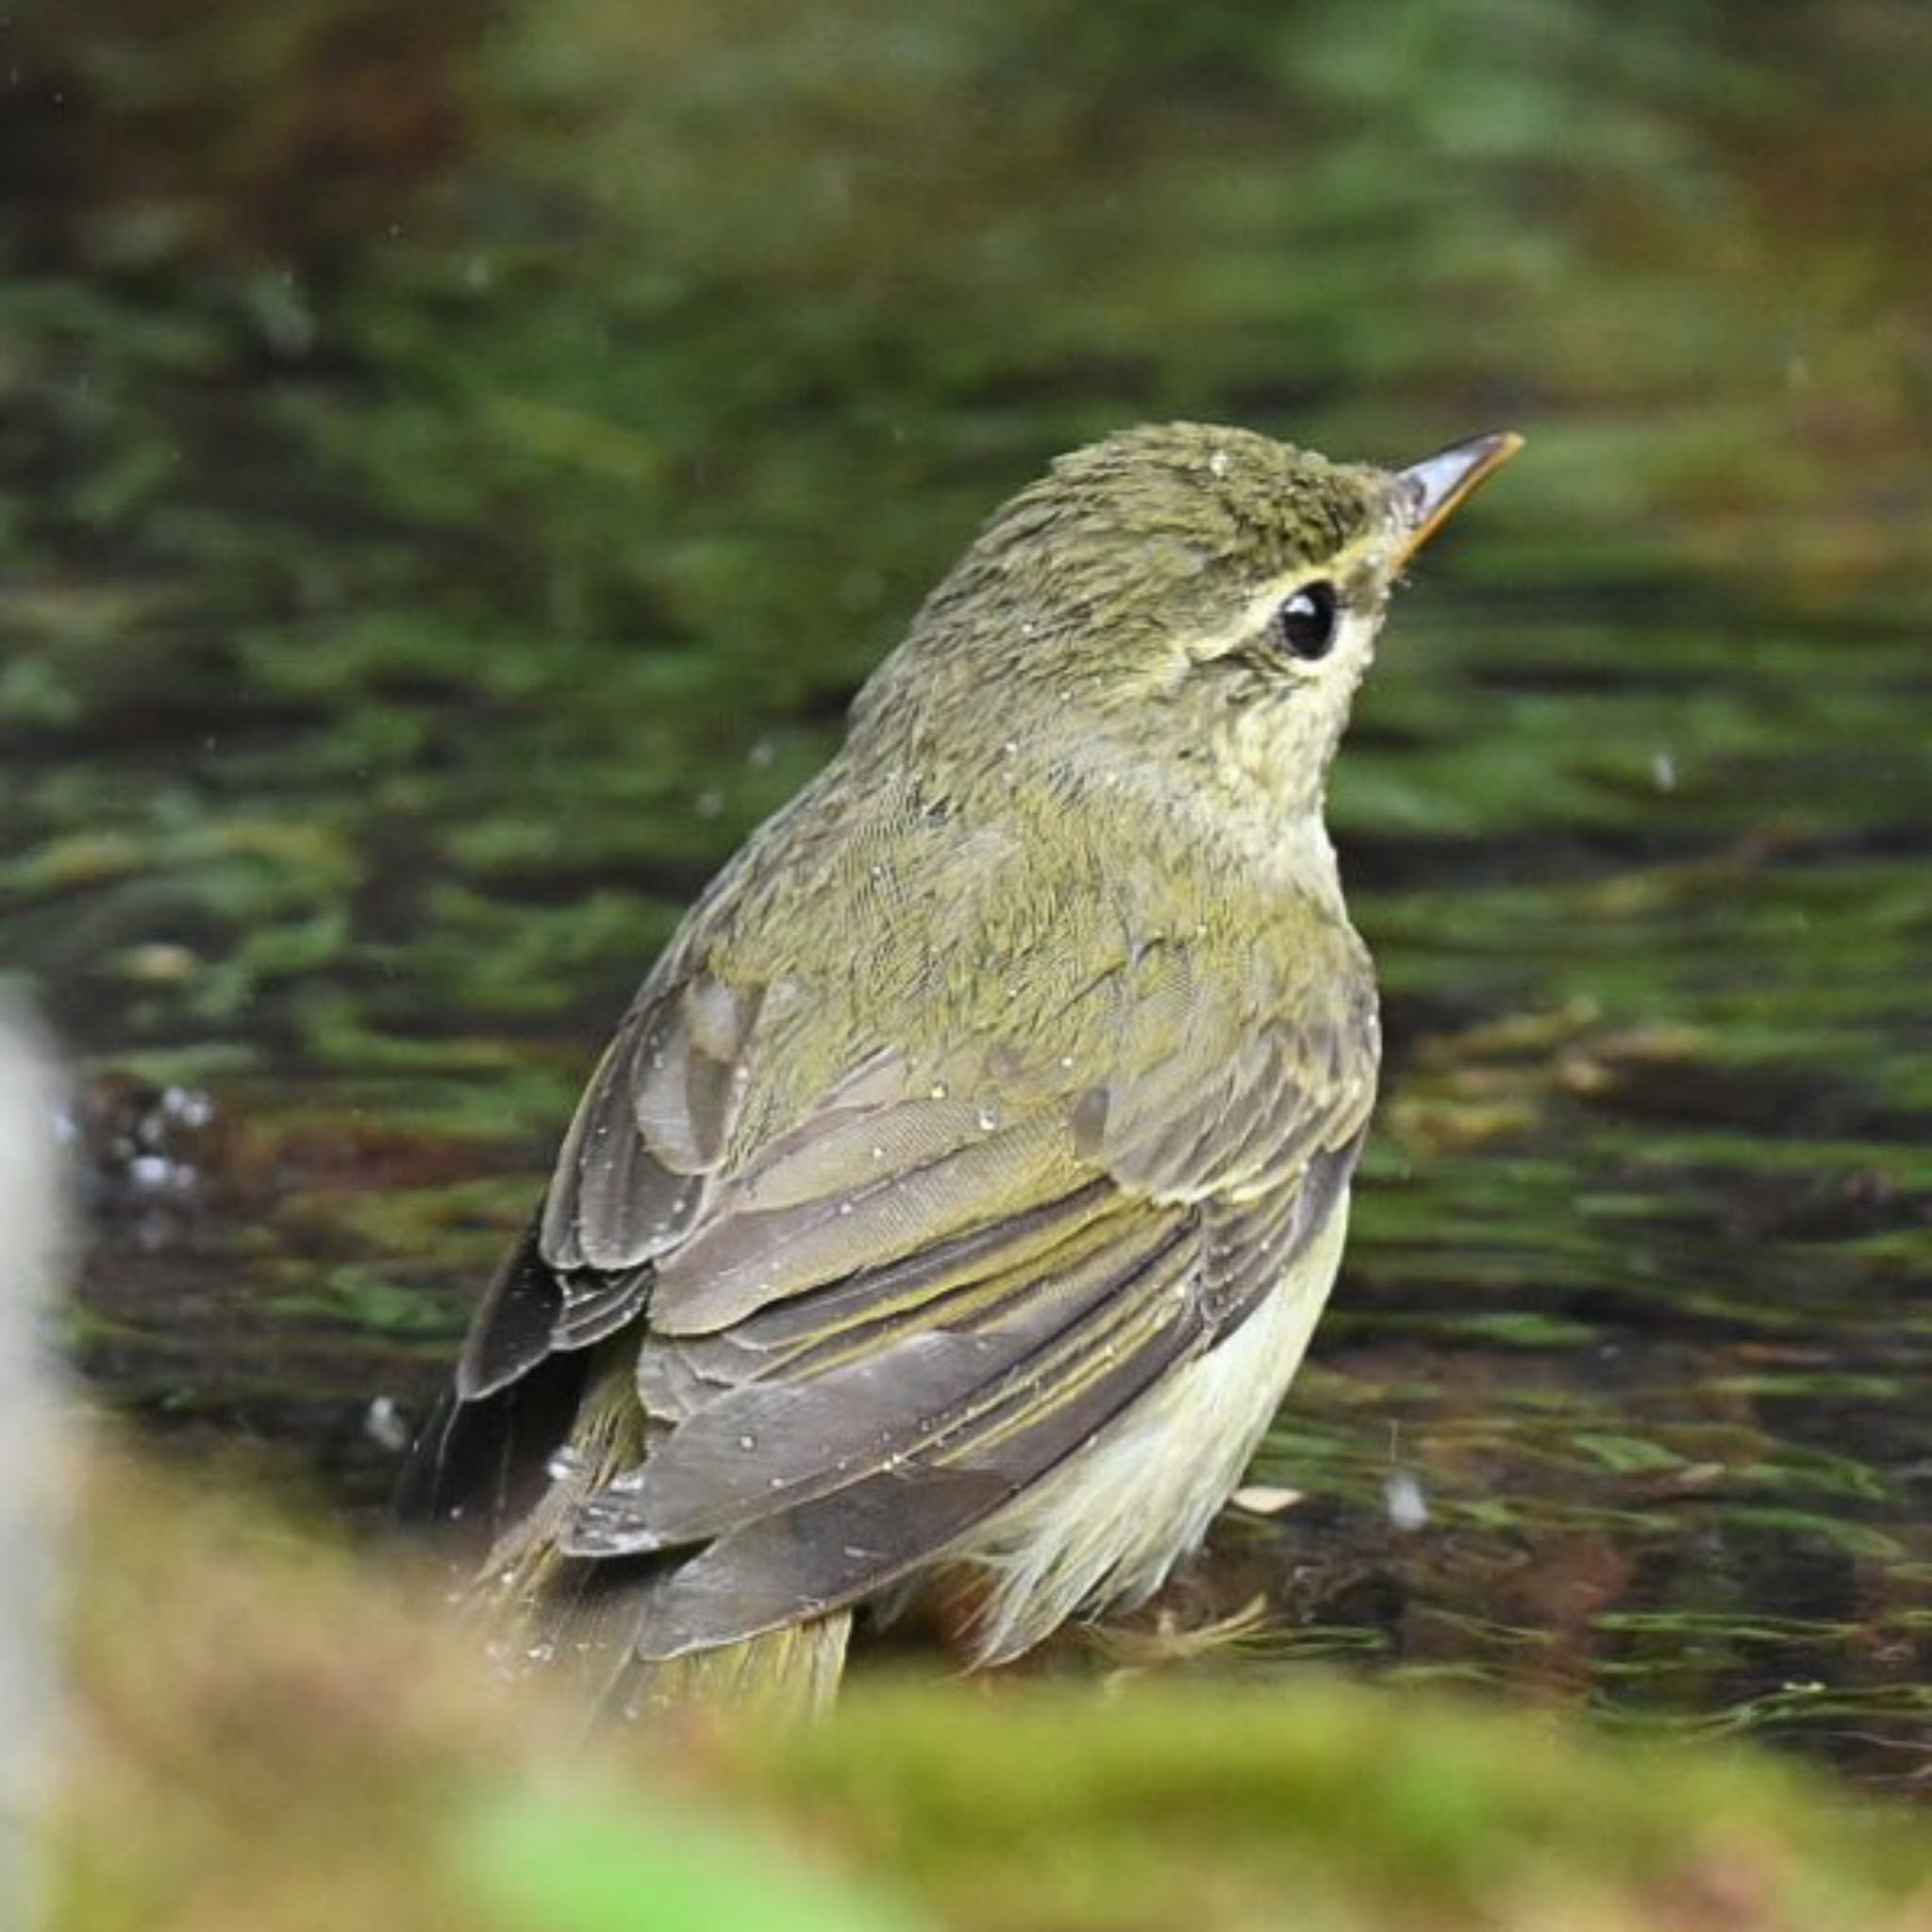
258	1716
1173	1807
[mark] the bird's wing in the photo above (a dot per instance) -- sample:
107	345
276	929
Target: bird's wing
867	1323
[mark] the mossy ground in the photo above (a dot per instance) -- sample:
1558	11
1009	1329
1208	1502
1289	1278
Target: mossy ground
269	1734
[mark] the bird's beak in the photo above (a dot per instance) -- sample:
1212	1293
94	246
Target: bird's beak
1436	487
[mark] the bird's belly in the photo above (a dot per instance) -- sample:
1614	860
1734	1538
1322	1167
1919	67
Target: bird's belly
1108	1525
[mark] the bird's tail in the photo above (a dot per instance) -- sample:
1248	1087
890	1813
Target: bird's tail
787	1674
575	1619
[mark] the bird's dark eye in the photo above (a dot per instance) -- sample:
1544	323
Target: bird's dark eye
1304	623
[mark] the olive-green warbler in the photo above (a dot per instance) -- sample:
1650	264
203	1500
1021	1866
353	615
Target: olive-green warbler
961	1189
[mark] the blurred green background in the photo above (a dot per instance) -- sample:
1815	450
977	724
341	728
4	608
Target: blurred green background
456	466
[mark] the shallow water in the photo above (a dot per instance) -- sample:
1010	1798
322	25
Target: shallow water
424	557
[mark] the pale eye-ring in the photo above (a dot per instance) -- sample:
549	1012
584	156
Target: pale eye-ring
1305	622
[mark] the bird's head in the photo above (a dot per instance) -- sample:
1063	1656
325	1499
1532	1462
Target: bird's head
1202	599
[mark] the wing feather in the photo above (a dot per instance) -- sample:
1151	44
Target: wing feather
653	1123
863	1537
785	1437
872	1308
746	1257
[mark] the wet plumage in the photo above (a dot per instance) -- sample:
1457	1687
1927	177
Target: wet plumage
966	1178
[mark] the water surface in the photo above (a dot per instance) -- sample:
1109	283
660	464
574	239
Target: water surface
431	543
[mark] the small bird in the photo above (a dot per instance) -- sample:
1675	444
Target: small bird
958	1194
